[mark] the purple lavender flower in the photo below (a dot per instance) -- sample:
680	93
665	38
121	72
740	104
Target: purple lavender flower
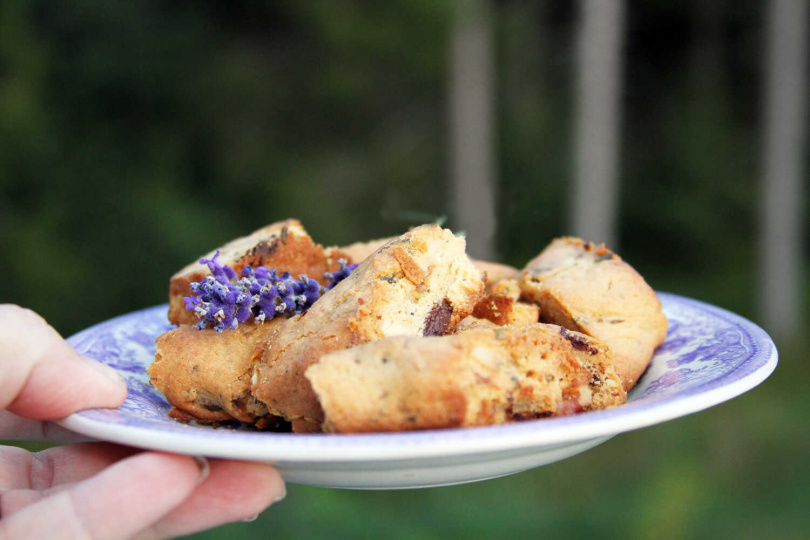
311	290
223	301
221	272
264	303
341	274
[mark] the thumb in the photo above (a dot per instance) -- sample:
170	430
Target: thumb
44	378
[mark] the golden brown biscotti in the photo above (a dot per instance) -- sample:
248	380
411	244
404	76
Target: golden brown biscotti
506	287
285	246
587	288
495	272
421	283
206	374
502	307
473	322
360	251
480	376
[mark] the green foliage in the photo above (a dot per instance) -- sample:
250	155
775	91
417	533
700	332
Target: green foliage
152	132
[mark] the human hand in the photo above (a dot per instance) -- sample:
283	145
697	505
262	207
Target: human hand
100	490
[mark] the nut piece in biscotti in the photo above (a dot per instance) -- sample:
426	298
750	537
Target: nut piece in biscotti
205	374
284	246
419	284
587	288
502	307
481	376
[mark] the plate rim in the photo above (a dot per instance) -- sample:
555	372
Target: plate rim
418	445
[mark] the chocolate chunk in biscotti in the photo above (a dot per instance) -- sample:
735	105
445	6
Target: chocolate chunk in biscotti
206	374
419	283
284	246
587	288
481	376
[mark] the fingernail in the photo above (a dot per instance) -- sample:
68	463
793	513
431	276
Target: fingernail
205	468
250	519
105	370
281	496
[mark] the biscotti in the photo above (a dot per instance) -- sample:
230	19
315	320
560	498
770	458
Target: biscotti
417	336
587	288
480	376
285	246
360	251
495	272
501	305
419	284
206	374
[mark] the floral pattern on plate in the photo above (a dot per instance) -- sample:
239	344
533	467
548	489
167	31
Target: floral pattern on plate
709	356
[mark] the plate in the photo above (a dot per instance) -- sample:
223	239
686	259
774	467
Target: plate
709	356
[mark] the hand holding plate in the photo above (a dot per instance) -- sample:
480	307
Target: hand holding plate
100	489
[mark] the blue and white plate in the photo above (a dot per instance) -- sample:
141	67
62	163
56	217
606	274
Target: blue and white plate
710	355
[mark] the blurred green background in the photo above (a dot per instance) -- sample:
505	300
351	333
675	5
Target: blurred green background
135	136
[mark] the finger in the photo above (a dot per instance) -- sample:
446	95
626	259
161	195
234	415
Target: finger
44	378
20	469
16	428
119	502
26	478
233	491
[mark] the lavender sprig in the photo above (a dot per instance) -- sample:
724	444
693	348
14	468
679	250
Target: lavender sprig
223	302
341	274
